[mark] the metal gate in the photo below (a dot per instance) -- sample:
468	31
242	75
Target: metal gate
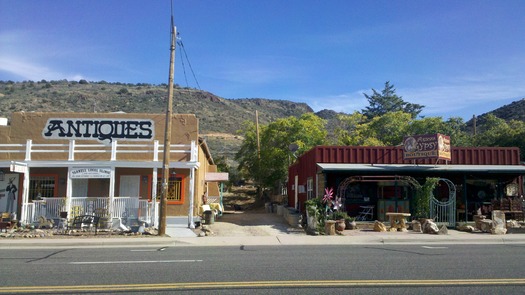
444	213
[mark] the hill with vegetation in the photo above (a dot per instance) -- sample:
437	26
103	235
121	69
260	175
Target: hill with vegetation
219	118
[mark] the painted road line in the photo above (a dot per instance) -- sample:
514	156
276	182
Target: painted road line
148	250
262	284
432	247
135	261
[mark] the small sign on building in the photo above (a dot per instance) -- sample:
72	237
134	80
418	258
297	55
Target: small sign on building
428	146
18	167
77	173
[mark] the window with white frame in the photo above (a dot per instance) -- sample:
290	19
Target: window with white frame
310	188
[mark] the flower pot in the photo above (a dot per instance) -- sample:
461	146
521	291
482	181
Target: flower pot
329	227
340	225
351	224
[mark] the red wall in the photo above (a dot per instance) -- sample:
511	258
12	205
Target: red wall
306	165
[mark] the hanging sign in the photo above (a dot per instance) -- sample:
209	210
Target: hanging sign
216	176
18	167
429	146
77	173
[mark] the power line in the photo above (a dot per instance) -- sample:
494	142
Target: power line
183	50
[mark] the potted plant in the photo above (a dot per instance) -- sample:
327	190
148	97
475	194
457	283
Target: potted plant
329	224
350	222
314	214
339	218
422	199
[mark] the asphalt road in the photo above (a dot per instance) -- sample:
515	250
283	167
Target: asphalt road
397	269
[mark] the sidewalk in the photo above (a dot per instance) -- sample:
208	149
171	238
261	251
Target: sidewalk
357	238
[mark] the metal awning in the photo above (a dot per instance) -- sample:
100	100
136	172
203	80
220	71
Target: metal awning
398	168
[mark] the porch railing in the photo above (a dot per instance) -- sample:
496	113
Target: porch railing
25	151
122	207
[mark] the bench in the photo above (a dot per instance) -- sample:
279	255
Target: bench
397	221
83	221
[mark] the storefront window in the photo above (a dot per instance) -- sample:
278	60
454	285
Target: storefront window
175	189
42	187
310	188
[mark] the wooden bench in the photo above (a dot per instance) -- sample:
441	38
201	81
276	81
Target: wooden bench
83	221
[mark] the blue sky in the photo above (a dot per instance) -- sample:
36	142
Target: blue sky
458	58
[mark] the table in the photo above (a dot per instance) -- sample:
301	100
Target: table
367	213
397	221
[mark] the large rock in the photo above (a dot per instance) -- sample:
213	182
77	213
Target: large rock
443	230
513	224
478	219
498	223
429	227
486	225
379	226
416	226
465	228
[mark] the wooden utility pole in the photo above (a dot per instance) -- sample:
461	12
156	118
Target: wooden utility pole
167	137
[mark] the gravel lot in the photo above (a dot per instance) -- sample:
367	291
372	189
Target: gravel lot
251	223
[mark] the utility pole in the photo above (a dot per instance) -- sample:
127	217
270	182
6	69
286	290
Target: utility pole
167	137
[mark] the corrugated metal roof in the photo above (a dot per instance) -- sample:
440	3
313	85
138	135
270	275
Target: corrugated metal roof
515	169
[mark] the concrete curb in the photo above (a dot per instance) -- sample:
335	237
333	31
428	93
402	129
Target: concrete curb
372	238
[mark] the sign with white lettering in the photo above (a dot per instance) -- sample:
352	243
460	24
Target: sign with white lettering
430	146
77	173
103	130
18	167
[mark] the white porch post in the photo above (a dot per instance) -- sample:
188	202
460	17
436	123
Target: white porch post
154	216
25	197
154	184
69	192
296	192
112	192
191	224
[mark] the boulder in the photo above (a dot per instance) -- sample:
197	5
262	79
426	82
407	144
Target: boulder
498	223
443	230
379	226
486	225
416	226
429	227
465	228
513	224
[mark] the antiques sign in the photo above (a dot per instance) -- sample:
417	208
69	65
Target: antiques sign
429	146
103	130
77	173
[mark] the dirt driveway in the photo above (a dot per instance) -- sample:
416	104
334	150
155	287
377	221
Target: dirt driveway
251	223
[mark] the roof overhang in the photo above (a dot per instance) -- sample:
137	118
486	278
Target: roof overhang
398	168
116	164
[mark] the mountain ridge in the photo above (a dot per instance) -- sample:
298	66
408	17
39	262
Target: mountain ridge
220	118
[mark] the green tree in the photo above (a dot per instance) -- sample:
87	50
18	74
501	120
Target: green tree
453	127
497	132
388	101
390	128
387	129
275	139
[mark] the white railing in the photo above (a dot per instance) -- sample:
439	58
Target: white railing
123	208
115	149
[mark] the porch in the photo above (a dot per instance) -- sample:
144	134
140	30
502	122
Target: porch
125	209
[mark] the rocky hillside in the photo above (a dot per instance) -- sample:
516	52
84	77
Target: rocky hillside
220	118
